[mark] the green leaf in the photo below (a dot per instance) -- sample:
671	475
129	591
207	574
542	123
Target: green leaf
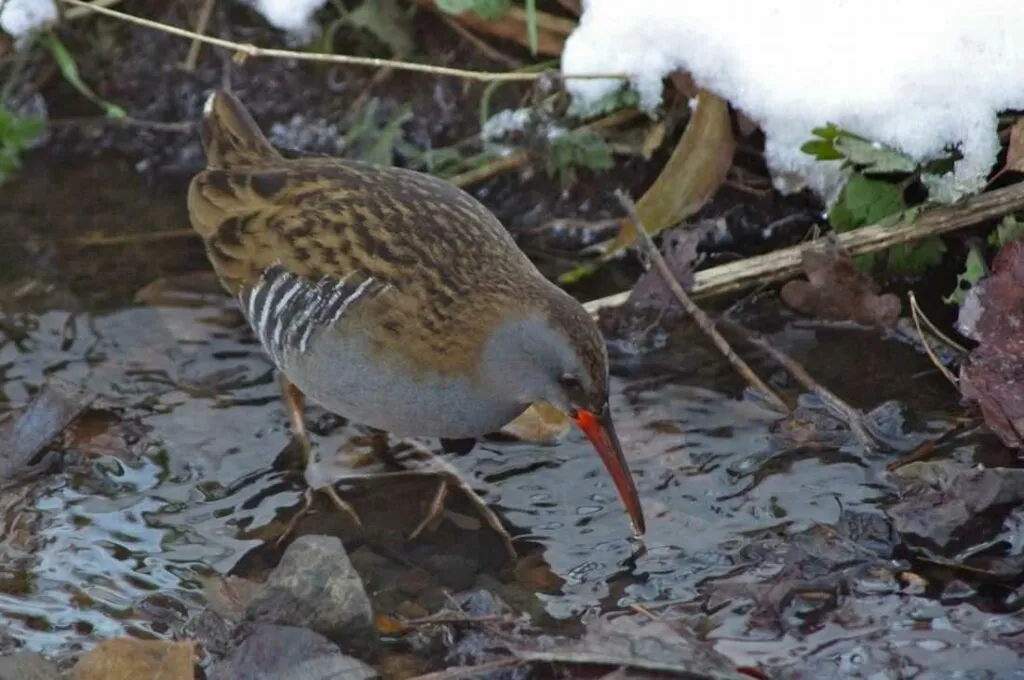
865	201
69	69
579	148
822	150
486	9
531	25
870	157
1010	229
873	157
384	20
974	271
382	151
16	134
911	259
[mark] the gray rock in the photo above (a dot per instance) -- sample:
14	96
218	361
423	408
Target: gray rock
272	652
316	587
27	666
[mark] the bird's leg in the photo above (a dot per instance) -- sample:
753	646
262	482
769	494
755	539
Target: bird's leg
451	476
295	404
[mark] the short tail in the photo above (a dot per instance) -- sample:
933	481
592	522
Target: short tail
231	138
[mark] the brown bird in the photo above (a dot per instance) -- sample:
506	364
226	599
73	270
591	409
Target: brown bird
393	298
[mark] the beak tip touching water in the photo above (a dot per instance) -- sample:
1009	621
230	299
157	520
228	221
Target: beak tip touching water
600	430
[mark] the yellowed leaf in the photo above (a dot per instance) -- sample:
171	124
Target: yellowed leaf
653	140
1015	150
539	424
387	625
698	166
130	659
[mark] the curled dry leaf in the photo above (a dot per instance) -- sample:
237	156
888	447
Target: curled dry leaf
697	167
1015	149
836	291
993	375
540	424
679	248
638	645
552	30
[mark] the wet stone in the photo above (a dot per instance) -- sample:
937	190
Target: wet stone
272	652
316	587
27	666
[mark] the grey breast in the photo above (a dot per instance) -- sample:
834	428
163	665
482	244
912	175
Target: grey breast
300	324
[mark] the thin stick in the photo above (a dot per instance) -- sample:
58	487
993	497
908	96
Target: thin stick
938	333
787	262
205	12
79	12
851	415
696	313
916	314
252	51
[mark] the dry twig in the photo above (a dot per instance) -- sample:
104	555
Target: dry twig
786	262
852	416
696	313
247	50
205	12
917	315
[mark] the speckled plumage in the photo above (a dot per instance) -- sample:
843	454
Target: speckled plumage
318	217
393	297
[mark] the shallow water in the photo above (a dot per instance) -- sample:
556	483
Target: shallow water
170	475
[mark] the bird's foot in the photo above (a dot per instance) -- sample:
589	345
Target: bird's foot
450	477
307	503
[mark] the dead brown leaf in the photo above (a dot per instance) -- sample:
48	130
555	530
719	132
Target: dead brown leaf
679	248
552	30
24	438
836	291
993	374
540	424
131	659
1015	150
697	167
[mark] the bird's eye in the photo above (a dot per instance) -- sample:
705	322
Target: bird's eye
570	383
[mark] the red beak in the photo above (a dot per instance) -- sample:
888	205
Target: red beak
601	433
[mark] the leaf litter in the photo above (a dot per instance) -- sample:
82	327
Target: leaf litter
835	290
993	374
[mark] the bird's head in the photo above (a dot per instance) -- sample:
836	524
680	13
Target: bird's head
557	355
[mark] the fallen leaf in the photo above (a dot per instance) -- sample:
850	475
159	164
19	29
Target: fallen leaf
993	374
955	511
679	248
52	410
536	574
640	644
1015	149
540	424
387	625
131	659
835	290
697	167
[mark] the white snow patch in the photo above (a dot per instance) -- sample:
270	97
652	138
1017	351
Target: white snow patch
917	75
504	122
294	17
20	17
